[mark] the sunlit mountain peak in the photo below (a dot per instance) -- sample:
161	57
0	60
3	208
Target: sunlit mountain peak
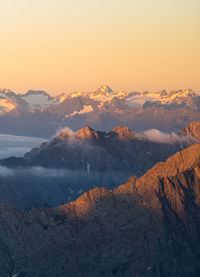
105	89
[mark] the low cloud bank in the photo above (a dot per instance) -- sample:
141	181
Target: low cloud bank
157	136
5	172
77	179
37	171
17	145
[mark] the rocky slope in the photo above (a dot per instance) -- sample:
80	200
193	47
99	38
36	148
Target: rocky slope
146	227
193	129
118	149
72	163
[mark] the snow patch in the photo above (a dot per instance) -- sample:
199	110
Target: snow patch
86	109
167	98
38	100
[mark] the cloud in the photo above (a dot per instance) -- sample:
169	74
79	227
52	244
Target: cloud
66	136
157	136
37	171
77	179
65	130
5	172
47	172
17	145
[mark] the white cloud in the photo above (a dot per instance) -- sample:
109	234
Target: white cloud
158	136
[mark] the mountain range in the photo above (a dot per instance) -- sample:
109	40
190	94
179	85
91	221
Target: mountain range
73	162
102	109
108	203
149	226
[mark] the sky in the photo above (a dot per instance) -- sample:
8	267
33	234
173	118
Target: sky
17	145
69	45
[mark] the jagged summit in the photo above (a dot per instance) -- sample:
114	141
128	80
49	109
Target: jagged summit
179	162
124	132
37	99
35	92
5	90
145	227
86	133
188	92
183	161
193	129
105	90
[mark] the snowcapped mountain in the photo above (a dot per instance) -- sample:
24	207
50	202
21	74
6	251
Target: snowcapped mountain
37	99
163	97
10	101
66	104
103	96
28	102
16	103
101	108
105	93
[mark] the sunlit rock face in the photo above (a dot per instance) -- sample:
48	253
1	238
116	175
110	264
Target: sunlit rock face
145	227
86	133
119	149
192	129
124	133
70	163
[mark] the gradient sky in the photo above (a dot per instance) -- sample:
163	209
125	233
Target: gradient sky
67	45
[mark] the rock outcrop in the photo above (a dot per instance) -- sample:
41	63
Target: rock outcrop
145	227
86	133
124	133
193	129
74	162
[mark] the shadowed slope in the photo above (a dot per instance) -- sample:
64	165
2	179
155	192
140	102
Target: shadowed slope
74	162
145	227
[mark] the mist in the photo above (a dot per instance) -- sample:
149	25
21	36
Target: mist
156	135
39	187
17	145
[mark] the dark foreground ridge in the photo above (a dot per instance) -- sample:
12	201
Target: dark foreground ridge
145	227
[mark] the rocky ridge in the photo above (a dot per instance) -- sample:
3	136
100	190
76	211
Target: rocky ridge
74	162
193	129
145	227
120	148
101	108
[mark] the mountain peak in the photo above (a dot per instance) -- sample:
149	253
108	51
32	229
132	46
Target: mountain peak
105	89
193	129
179	162
5	90
124	132
86	133
36	92
190	92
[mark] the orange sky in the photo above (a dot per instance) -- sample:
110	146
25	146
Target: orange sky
63	46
